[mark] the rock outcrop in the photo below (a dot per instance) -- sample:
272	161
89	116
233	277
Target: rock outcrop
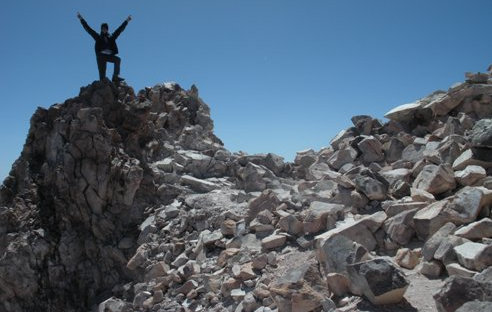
129	202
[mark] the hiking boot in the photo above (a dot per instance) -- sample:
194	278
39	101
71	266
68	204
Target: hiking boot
118	79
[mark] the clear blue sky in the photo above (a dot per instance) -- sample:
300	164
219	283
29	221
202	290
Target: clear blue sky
279	75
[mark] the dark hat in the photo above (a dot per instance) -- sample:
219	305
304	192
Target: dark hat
104	25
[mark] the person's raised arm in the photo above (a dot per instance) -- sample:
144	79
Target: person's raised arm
87	27
120	29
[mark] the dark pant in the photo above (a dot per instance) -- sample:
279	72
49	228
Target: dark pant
102	59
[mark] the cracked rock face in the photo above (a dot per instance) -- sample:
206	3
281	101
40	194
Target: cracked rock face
81	186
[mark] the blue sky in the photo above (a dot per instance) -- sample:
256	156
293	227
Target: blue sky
279	75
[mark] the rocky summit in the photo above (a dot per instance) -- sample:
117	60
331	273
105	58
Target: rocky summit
128	202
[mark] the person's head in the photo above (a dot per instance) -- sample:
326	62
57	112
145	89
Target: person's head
104	28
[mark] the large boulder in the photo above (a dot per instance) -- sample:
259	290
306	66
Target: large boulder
395	175
252	178
392	208
195	163
474	256
360	231
469	158
371	149
305	158
458	290
379	280
365	124
393	150
400	228
270	161
268	200
337	251
321	217
371	187
455	96
435	179
476	230
413	112
413	153
465	206
470	175
341	157
430	219
403	112
446	253
341	137
462	208
481	139
433	243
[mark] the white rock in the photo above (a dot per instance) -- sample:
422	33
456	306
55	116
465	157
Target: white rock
470	175
467	254
403	112
476	230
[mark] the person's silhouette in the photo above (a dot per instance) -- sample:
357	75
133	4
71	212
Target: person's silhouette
105	47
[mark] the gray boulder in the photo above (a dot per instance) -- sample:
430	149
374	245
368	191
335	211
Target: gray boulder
393	150
360	231
305	158
342	157
321	216
432	244
371	187
371	149
430	219
400	228
465	206
341	137
485	276
251	177
470	175
338	251
458	290
474	256
469	158
476	230
365	124
268	200
403	112
431	269
446	252
413	153
395	175
462	208
435	179
378	280
481	139
195	163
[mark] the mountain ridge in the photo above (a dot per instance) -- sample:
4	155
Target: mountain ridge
128	201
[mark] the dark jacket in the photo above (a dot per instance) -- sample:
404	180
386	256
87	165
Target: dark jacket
101	43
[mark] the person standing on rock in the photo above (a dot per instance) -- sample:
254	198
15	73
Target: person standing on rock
106	48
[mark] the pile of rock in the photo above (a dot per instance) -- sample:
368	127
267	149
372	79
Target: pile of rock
130	202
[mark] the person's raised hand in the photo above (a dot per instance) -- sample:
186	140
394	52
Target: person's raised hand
129	18
79	16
